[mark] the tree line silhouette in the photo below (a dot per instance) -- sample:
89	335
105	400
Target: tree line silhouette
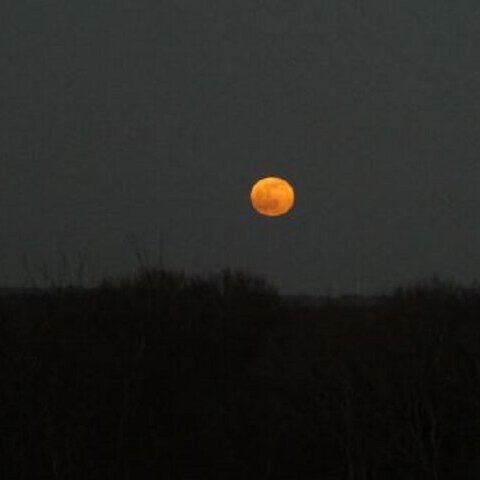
165	375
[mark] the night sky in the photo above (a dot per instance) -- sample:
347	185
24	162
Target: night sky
154	118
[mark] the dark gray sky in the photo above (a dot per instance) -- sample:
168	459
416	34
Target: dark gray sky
155	117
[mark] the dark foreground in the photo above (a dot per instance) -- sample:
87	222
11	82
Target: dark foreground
170	377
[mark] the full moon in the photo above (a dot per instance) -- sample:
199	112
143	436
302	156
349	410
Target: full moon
272	196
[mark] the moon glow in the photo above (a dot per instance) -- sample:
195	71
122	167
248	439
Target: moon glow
272	196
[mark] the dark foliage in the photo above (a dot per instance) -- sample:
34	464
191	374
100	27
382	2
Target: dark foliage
167	376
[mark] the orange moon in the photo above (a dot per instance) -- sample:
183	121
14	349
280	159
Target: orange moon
272	196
